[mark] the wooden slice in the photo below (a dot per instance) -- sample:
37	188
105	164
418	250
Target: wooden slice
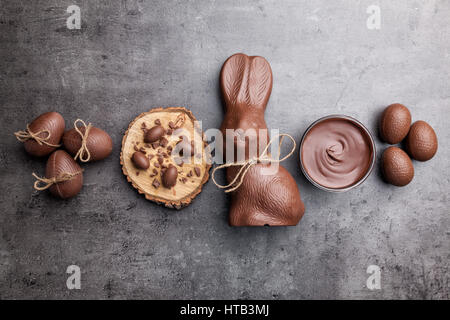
192	173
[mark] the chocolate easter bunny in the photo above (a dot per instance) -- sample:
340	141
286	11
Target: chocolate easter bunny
266	196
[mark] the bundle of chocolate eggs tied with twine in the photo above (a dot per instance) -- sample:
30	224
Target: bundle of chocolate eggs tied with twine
46	135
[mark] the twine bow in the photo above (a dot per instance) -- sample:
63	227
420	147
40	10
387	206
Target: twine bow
24	135
247	164
83	149
48	182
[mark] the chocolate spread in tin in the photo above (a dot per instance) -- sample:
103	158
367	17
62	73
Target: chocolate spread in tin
336	153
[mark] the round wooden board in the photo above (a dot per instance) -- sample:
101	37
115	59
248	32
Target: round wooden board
182	193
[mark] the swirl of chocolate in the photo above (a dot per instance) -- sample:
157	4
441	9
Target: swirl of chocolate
336	153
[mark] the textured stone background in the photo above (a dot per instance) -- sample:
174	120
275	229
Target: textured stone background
130	56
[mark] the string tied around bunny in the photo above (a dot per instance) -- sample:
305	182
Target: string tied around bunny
83	153
247	164
27	134
45	183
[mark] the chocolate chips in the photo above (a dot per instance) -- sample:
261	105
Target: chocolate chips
156	183
154	173
155	145
163	142
197	171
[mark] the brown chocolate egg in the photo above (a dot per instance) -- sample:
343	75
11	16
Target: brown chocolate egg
421	142
397	167
50	128
60	163
154	134
169	177
140	160
395	123
98	142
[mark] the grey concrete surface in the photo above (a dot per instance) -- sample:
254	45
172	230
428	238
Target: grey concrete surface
130	56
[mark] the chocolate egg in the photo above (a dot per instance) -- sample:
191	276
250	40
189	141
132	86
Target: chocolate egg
154	134
61	163
98	142
169	177
395	123
49	124
140	160
421	142
397	167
